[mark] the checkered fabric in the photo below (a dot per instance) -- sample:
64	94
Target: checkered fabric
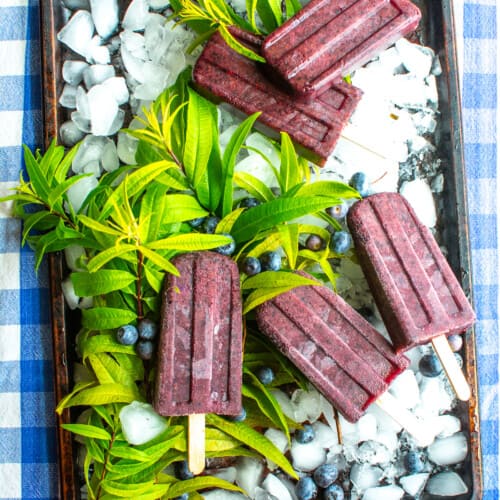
27	434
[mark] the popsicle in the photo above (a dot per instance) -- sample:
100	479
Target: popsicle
328	38
220	73
200	346
416	291
340	352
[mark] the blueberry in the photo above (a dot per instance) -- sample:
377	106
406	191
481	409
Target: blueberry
228	248
144	349
127	335
306	488
340	242
250	266
249	202
305	435
325	475
413	462
315	242
196	222
360	183
147	329
338	211
265	374
181	470
210	223
367	313
456	341
270	261
430	365
240	417
333	492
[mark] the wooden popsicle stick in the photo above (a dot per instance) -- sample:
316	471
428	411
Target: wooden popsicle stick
196	442
405	418
451	367
351	139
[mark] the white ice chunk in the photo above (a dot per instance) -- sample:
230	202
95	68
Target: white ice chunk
249	474
76	4
140	423
389	492
307	457
103	111
276	488
374	452
384	420
219	494
68	97
262	494
255	165
435	399
416	58
118	87
419	195
405	389
73	255
226	473
408	91
446	484
133	65
89	151
175	62
105	15
389	439
366	427
449	450
77	33
92	167
414	484
82	103
307	405
262	144
325	435
135	44
159	4
70	134
109	157
72	71
278	438
98	53
390	61
431	90
126	147
97	73
80	190
447	425
424	122
80	121
70	296
364	476
155	80
136	15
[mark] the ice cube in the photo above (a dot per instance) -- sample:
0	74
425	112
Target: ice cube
70	134
447	425
226	473
72	71
118	87
126	147
140	423
446	484
68	97
262	144
405	389
136	15
449	450
73	255
105	16
70	296
98	53
249	474
109	157
414	484
89	151
364	476
419	195
219	494
133	65
77	32
175	62
159	4
276	488
135	44
262	494
77	4
284	401
416	58
307	457
389	492
373	452
307	405
103	111
92	167
82	103
80	190
278	438
97	73
325	435
81	122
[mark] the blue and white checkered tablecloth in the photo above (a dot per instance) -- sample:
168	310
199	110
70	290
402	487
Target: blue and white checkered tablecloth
27	425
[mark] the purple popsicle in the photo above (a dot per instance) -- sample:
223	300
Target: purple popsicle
315	127
328	38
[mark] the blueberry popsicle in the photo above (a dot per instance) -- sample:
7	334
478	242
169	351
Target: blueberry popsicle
342	354
200	359
328	38
416	291
220	73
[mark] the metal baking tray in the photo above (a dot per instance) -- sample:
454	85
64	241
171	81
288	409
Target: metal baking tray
437	31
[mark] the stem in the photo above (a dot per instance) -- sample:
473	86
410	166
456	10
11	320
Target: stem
106	460
138	285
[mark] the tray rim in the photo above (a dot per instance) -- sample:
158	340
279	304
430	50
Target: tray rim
51	52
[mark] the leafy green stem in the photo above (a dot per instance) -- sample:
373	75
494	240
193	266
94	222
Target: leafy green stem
138	284
105	465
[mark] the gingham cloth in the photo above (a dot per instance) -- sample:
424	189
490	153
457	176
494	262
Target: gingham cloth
27	434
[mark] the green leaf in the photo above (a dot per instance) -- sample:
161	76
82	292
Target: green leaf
289	235
36	175
124	490
267	15
229	159
97	226
277	279
180	208
254	186
198	139
190	242
200	483
226	224
262	295
102	318
103	343
100	282
109	254
56	193
129	453
292	7
289	167
239	47
104	394
159	260
87	430
333	189
274	212
254	439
